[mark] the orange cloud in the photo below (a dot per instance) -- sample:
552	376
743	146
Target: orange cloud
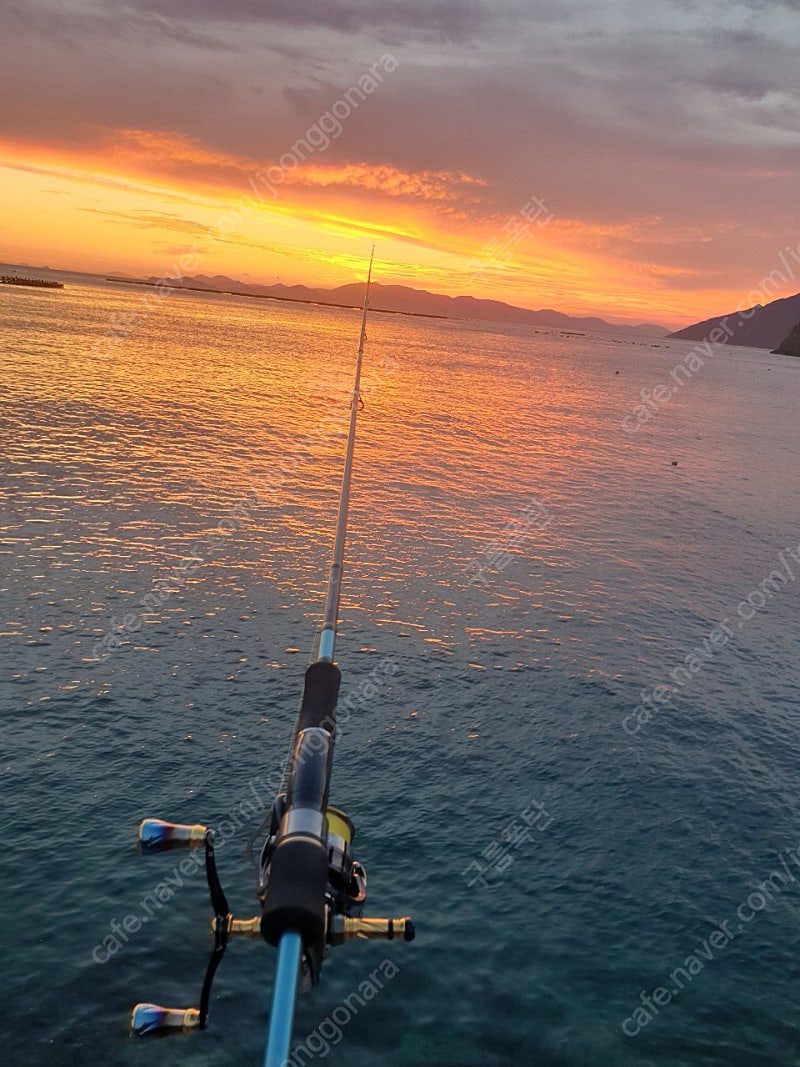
425	185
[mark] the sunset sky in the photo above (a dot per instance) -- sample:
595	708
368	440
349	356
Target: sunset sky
637	160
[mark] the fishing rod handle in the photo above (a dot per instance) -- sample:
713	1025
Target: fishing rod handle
294	899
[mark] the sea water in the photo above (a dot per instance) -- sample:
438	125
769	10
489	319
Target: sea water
570	696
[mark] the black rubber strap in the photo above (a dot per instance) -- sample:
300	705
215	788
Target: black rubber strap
295	897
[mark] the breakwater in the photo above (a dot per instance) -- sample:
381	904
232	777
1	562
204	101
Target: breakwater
38	283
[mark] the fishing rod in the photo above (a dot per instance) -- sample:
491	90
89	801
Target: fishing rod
311	890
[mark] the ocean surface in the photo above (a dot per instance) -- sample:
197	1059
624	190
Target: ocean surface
569	648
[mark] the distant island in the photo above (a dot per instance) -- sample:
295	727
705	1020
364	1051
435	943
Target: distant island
402	300
761	326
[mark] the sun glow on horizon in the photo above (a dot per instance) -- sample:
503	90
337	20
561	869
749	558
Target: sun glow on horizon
141	201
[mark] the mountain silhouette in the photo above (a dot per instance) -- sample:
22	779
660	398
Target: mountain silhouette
761	326
402	299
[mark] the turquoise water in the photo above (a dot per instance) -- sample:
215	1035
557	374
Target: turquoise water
523	574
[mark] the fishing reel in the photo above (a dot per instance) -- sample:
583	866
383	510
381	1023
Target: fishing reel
346	889
344	897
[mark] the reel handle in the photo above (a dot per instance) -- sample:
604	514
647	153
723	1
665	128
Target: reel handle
158	835
149	1019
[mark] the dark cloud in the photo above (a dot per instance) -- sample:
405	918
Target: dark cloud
449	20
665	76
83	22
